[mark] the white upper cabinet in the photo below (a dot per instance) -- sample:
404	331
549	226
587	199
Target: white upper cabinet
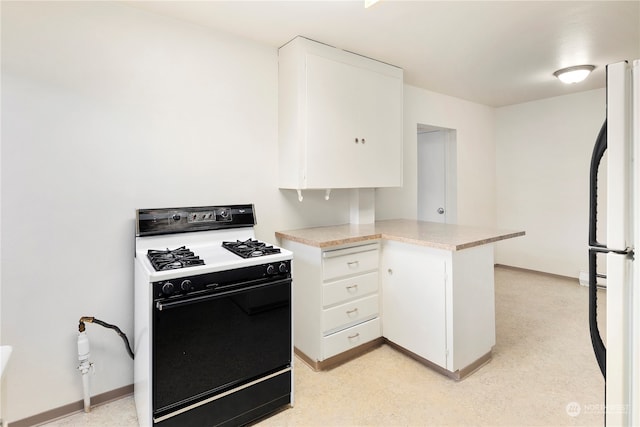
340	119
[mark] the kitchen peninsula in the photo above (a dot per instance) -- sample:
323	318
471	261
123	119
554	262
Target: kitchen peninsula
426	288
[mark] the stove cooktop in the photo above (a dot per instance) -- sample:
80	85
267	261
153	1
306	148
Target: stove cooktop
183	257
170	259
250	248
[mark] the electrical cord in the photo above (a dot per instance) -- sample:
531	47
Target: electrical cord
89	319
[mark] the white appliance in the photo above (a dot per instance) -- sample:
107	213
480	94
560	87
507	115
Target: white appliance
619	360
213	318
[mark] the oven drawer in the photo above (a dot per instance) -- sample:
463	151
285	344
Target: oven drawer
350	288
349	261
349	314
350	338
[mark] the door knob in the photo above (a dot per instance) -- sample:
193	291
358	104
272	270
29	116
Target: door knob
440	211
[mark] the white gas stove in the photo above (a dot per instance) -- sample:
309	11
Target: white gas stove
212	320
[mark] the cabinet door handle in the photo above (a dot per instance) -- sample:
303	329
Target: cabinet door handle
350	312
353	263
353	288
357	140
356	335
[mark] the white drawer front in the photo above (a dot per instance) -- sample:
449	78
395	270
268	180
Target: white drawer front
348	314
350	288
350	338
349	264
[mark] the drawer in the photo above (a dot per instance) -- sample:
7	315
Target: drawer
350	288
349	314
349	338
350	261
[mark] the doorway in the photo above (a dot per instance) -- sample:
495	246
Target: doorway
437	182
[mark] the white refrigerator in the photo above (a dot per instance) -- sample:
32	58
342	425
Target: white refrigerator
619	358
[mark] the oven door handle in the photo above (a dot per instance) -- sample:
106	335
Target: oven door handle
160	306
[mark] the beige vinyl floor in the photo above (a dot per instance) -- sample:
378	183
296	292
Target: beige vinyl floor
543	373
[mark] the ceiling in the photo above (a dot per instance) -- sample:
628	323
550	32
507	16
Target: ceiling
491	52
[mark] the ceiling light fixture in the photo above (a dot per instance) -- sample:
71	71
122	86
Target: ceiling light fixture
574	74
369	3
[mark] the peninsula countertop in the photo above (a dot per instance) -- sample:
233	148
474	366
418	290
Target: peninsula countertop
450	237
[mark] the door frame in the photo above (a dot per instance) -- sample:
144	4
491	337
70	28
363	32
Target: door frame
450	168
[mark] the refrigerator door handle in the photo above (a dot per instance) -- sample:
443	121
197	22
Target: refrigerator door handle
599	349
595	247
596	158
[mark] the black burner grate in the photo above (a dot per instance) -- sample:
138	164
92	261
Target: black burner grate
171	259
250	248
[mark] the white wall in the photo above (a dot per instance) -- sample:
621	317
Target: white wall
476	153
106	109
543	156
102	102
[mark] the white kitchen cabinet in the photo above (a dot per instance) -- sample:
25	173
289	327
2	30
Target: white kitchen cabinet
336	301
439	304
340	119
414	299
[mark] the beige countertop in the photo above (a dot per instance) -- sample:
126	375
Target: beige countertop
450	237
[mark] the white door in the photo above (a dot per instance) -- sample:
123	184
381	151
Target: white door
432	174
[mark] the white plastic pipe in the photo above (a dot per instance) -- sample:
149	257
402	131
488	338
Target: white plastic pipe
87	395
85	367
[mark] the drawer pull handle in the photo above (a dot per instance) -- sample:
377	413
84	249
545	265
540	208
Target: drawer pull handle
356	335
352	311
353	263
352	288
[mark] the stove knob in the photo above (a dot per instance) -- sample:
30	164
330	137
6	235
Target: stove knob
271	269
185	285
282	268
176	217
168	288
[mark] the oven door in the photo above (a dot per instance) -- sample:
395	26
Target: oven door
210	345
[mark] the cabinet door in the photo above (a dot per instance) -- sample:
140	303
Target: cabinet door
379	108
331	123
413	300
354	127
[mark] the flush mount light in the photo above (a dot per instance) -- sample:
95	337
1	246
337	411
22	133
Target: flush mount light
369	3
574	74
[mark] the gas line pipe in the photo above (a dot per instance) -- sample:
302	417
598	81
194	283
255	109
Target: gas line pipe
84	353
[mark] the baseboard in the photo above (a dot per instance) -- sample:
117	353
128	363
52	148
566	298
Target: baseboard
341	358
72	408
527	270
458	375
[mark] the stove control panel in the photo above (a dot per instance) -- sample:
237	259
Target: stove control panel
219	214
280	268
201	216
182	220
221	281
